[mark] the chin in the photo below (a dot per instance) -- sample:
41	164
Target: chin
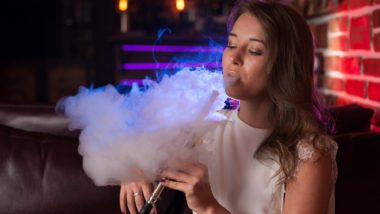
244	95
233	94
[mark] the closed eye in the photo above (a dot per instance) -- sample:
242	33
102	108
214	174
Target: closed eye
231	45
255	53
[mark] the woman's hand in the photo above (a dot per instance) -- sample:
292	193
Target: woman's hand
133	196
192	179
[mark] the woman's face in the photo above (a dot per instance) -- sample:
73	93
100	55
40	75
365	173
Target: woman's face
245	59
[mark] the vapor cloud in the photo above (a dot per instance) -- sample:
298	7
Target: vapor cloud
128	136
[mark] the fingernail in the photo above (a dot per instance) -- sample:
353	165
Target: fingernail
162	179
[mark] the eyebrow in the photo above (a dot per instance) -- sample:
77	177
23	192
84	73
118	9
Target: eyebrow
250	39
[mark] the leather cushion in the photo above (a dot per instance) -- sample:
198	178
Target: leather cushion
42	173
351	118
357	188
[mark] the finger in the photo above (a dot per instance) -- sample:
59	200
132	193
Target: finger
122	198
191	165
183	187
138	197
196	169
147	191
178	176
153	211
131	202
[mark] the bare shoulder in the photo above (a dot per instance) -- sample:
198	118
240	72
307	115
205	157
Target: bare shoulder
316	158
310	188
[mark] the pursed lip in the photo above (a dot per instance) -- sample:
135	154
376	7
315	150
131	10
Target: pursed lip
231	73
230	78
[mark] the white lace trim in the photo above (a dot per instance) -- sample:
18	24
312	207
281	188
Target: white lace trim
306	152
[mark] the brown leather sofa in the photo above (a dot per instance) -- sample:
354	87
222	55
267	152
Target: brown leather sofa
41	170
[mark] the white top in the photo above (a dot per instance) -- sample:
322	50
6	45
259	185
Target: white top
239	182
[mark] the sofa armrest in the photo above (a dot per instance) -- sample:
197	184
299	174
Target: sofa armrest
36	118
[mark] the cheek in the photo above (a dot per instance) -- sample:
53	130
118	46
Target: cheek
255	77
256	70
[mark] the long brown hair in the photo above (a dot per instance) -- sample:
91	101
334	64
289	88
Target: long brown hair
296	111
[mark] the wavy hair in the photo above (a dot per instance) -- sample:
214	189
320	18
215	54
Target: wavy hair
296	110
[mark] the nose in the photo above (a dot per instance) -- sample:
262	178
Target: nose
236	58
236	61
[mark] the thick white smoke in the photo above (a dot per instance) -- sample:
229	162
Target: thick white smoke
129	136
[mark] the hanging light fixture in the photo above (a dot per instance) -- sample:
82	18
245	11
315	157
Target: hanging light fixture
180	5
123	5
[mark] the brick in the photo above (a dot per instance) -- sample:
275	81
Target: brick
376	18
351	65
342	6
333	100
320	35
334	84
374	91
336	6
353	4
355	87
371	67
329	100
333	63
339	43
338	25
376	42
340	101
360	36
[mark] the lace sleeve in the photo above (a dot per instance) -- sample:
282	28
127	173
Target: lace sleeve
306	151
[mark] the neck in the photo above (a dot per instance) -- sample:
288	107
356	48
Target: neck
255	113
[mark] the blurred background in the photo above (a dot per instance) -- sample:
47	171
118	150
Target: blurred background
50	48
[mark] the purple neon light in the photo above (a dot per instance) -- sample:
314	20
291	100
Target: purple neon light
129	82
168	65
170	48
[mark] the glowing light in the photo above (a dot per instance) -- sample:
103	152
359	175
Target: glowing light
129	82
180	5
123	5
168	65
170	48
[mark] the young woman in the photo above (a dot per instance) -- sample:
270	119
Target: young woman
273	155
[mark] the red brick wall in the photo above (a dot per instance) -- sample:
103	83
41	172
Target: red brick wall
348	44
